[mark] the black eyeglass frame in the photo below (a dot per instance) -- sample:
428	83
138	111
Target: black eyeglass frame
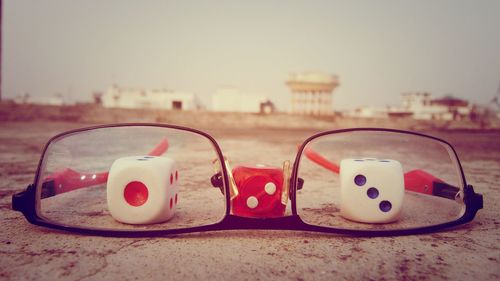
26	201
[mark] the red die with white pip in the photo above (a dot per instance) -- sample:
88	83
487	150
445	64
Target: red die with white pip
260	191
142	189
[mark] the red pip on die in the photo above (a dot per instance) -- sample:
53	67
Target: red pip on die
260	192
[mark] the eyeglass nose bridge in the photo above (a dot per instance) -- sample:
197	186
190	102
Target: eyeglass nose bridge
235	190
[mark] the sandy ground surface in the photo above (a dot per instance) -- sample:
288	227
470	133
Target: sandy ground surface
29	252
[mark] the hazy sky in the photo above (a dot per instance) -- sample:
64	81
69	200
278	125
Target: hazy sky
379	49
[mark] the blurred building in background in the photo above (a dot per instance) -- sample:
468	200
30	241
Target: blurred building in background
423	107
117	97
419	106
366	112
311	93
56	99
495	102
229	99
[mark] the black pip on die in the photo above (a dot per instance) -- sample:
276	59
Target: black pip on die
372	190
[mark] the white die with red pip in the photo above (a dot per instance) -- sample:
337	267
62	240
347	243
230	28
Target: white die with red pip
142	189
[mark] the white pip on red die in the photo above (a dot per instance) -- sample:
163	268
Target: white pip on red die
142	189
371	190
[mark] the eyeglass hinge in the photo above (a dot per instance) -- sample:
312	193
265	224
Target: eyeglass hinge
216	181
300	183
20	201
475	200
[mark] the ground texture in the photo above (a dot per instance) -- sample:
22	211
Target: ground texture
28	252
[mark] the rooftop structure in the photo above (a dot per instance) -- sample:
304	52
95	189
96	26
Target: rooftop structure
312	92
423	107
420	106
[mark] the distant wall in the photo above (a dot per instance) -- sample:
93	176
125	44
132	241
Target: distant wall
232	100
89	113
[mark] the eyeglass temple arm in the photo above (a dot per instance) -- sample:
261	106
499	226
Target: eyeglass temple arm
415	180
66	180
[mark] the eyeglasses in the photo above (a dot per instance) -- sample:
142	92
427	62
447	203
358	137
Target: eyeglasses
150	179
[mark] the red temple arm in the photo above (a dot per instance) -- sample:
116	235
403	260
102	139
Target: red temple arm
67	179
415	180
320	160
